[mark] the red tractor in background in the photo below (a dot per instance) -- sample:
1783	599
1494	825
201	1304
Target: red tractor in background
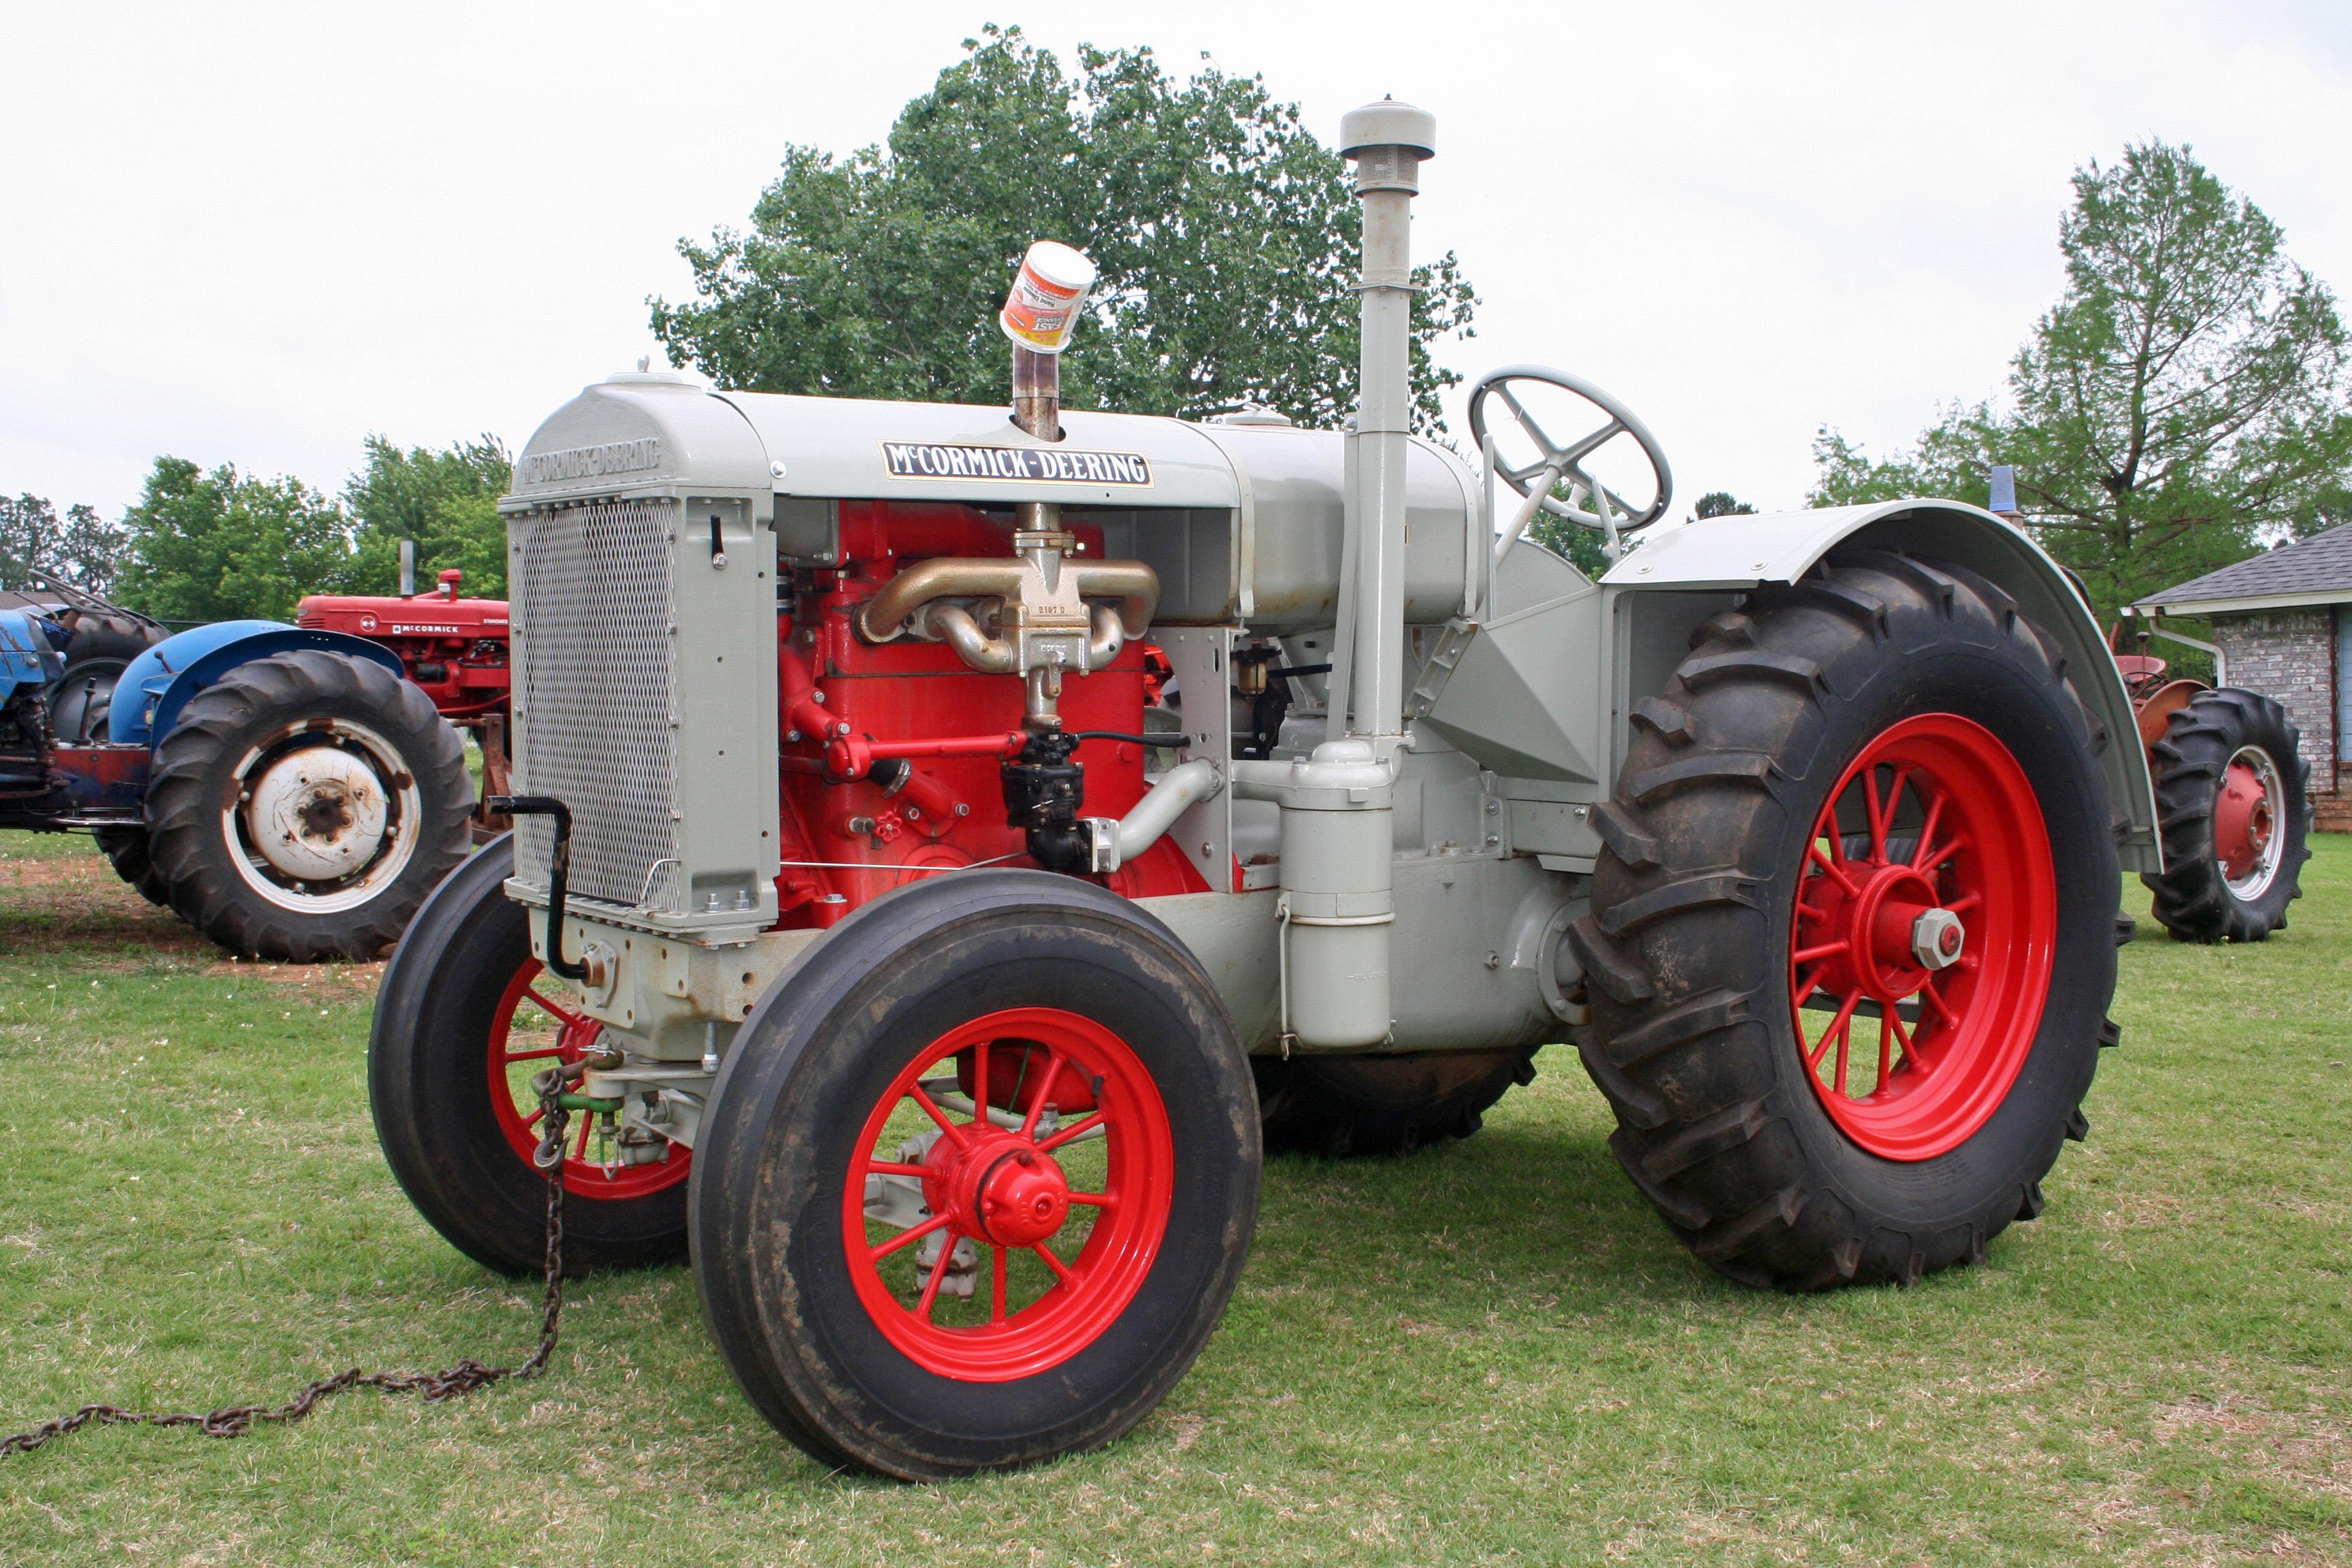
452	648
2232	791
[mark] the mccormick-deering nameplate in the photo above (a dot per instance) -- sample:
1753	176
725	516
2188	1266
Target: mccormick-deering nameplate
934	460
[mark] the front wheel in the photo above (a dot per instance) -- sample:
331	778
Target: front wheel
977	1179
464	1019
303	806
1851	941
126	851
2235	814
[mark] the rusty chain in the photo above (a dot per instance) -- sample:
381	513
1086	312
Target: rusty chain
468	1375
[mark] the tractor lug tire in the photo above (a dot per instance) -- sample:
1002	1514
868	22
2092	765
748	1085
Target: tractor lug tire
1722	1123
126	851
287	701
1337	1106
2192	897
100	651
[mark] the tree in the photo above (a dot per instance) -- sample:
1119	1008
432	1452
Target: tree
2182	404
83	550
1948	463
1721	503
222	546
445	500
1225	234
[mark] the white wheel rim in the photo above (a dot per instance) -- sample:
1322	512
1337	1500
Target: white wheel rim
2257	881
324	817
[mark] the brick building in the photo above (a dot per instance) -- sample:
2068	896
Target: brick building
2282	621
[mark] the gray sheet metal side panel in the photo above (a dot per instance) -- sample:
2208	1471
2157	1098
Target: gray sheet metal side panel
834	446
1297	485
833	449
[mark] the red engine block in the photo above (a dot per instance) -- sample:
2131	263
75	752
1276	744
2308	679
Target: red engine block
844	841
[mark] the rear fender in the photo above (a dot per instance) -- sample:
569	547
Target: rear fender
160	681
1710	556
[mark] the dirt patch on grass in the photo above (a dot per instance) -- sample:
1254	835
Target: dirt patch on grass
339	980
54	903
56	871
58	920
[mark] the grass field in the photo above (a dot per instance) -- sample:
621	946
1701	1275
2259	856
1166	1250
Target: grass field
1490	1353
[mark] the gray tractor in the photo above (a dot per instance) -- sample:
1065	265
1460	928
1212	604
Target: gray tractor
953	847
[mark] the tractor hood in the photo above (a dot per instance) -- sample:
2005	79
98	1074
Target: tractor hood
646	428
1242	522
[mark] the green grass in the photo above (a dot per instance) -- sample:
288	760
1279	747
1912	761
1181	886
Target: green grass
1490	1353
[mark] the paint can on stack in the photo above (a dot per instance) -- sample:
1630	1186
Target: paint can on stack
1042	311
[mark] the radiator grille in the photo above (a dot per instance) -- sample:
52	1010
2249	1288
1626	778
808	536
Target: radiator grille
594	658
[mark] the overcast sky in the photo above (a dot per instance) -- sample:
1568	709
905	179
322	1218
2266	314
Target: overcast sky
255	233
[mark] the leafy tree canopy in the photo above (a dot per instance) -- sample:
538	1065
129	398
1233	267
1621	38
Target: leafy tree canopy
82	549
1225	234
445	500
223	545
2182	404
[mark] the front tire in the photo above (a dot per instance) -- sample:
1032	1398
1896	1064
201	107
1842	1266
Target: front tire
303	806
901	1283
1872	792
2233	805
126	851
464	1018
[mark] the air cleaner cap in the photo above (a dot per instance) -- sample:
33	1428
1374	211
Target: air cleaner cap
1388	123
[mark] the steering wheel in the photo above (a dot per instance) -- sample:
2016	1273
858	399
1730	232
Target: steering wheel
1590	502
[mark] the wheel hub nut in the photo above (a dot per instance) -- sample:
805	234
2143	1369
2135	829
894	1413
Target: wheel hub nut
1936	938
1023	1199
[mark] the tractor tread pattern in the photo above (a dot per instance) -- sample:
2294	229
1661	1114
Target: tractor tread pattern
1682	1055
184	807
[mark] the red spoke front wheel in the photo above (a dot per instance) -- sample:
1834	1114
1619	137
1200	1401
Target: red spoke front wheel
537	1024
1921	942
1008	1194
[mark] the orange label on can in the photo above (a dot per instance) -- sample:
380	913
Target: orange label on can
1042	311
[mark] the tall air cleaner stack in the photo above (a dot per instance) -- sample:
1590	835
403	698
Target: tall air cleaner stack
1388	141
1339	899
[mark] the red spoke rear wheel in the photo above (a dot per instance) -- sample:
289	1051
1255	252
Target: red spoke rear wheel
1056	1193
1921	943
538	1024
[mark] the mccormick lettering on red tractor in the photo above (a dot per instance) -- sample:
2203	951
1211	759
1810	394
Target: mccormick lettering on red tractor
938	991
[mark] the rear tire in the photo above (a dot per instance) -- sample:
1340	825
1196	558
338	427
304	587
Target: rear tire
1781	1172
100	651
444	1007
309	881
2226	879
840	1329
1341	1105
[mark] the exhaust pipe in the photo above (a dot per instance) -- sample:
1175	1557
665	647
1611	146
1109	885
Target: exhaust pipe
1339	899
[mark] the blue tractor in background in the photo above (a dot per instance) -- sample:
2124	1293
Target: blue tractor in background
282	788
